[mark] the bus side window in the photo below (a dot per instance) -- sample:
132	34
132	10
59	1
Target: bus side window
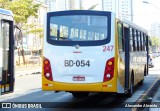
135	38
140	37
131	40
138	41
144	42
120	37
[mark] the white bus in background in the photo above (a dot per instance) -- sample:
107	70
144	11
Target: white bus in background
6	52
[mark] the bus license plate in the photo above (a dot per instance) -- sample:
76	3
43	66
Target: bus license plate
78	78
77	63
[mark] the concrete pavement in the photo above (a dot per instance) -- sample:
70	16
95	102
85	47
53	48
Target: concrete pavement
156	97
28	70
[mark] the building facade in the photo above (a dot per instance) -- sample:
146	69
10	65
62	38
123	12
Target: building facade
155	30
33	40
122	8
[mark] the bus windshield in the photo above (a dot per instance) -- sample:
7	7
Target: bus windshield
78	28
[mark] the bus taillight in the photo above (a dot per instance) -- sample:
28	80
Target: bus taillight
109	70
47	69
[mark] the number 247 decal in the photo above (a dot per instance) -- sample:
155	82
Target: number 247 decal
108	48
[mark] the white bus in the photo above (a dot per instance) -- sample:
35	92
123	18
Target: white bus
92	51
6	52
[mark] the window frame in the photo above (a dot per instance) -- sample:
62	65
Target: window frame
81	43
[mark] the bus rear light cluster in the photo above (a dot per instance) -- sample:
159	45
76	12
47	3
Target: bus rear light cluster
109	70
47	69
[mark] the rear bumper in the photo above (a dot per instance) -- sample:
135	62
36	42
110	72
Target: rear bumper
110	86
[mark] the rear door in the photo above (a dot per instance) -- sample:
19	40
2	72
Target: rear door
127	55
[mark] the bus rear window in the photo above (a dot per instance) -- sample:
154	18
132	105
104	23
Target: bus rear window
78	28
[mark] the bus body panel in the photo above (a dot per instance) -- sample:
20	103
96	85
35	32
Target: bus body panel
63	60
137	59
62	73
109	86
138	64
121	73
94	74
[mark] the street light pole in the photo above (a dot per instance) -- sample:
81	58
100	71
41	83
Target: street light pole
102	4
157	8
132	10
151	4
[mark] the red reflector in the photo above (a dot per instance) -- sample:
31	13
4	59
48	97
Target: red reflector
45	84
109	69
47	68
104	85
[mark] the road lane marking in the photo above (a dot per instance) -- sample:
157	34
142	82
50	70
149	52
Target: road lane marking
16	94
48	93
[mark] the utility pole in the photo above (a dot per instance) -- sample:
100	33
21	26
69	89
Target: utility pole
80	4
102	4
132	10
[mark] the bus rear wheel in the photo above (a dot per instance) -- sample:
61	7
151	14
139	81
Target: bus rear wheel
130	92
141	82
80	94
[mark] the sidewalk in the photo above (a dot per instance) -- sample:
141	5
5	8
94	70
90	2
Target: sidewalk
156	99
21	71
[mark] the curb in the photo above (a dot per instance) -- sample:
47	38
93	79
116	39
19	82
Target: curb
145	97
24	68
20	75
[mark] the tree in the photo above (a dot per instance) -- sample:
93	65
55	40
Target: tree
4	3
155	43
34	29
22	10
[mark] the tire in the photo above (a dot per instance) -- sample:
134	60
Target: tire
130	91
141	82
145	72
79	94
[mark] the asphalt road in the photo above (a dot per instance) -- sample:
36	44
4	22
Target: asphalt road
28	89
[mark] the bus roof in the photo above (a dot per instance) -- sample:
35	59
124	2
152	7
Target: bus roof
133	25
6	12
